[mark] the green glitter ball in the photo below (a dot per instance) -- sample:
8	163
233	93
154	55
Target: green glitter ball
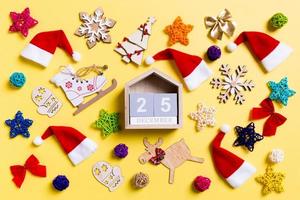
278	20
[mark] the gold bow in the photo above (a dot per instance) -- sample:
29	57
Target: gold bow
223	23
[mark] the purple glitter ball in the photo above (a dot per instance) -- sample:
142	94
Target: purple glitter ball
213	53
121	151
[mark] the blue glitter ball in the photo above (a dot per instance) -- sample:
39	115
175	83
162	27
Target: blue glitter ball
60	183
213	53
17	79
121	151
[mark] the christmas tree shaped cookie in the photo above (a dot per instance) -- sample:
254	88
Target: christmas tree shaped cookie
133	46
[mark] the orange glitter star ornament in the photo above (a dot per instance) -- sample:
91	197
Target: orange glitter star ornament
178	32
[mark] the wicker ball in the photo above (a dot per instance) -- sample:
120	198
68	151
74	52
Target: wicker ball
60	183
140	180
201	183
17	79
276	156
121	150
278	20
213	52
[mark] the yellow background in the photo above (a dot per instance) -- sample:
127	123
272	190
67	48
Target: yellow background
129	14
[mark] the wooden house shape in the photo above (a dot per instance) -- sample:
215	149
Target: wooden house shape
153	82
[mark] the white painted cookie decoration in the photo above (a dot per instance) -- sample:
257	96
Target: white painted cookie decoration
109	176
133	46
47	103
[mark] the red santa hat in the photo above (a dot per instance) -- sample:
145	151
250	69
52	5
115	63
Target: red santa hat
75	144
235	170
268	50
42	47
192	68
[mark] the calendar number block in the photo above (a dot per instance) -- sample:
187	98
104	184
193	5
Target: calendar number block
165	105
141	104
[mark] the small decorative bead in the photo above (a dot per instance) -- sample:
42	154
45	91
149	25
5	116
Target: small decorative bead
140	180
201	183
121	151
213	53
60	183
17	79
276	156
278	20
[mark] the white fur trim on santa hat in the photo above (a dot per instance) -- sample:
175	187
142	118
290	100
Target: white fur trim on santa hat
149	60
277	56
76	56
82	151
199	75
37	54
241	175
38	141
225	128
231	47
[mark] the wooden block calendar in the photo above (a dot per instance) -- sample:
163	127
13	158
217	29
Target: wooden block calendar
153	101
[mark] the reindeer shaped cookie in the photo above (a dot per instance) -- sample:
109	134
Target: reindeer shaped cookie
172	157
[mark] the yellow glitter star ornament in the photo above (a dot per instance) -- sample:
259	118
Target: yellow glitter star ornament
178	32
271	181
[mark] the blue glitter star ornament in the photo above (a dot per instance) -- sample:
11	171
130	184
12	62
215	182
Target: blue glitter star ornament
19	125
247	136
280	91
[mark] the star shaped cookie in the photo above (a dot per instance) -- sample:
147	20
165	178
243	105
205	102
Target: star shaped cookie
247	136
280	91
22	22
178	32
205	116
271	181
19	125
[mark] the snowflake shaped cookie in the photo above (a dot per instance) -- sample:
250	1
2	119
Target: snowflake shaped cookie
205	116
271	181
95	27
232	84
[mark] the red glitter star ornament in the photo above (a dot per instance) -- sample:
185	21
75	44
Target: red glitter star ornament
22	22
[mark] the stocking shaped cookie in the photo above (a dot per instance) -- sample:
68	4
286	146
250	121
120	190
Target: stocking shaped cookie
47	103
108	175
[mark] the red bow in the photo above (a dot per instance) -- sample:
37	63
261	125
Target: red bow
159	156
32	165
274	120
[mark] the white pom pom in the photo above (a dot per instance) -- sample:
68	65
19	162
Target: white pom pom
231	47
76	56
276	156
149	60
225	128
38	141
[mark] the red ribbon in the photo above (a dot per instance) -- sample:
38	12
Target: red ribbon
274	120
32	165
159	156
